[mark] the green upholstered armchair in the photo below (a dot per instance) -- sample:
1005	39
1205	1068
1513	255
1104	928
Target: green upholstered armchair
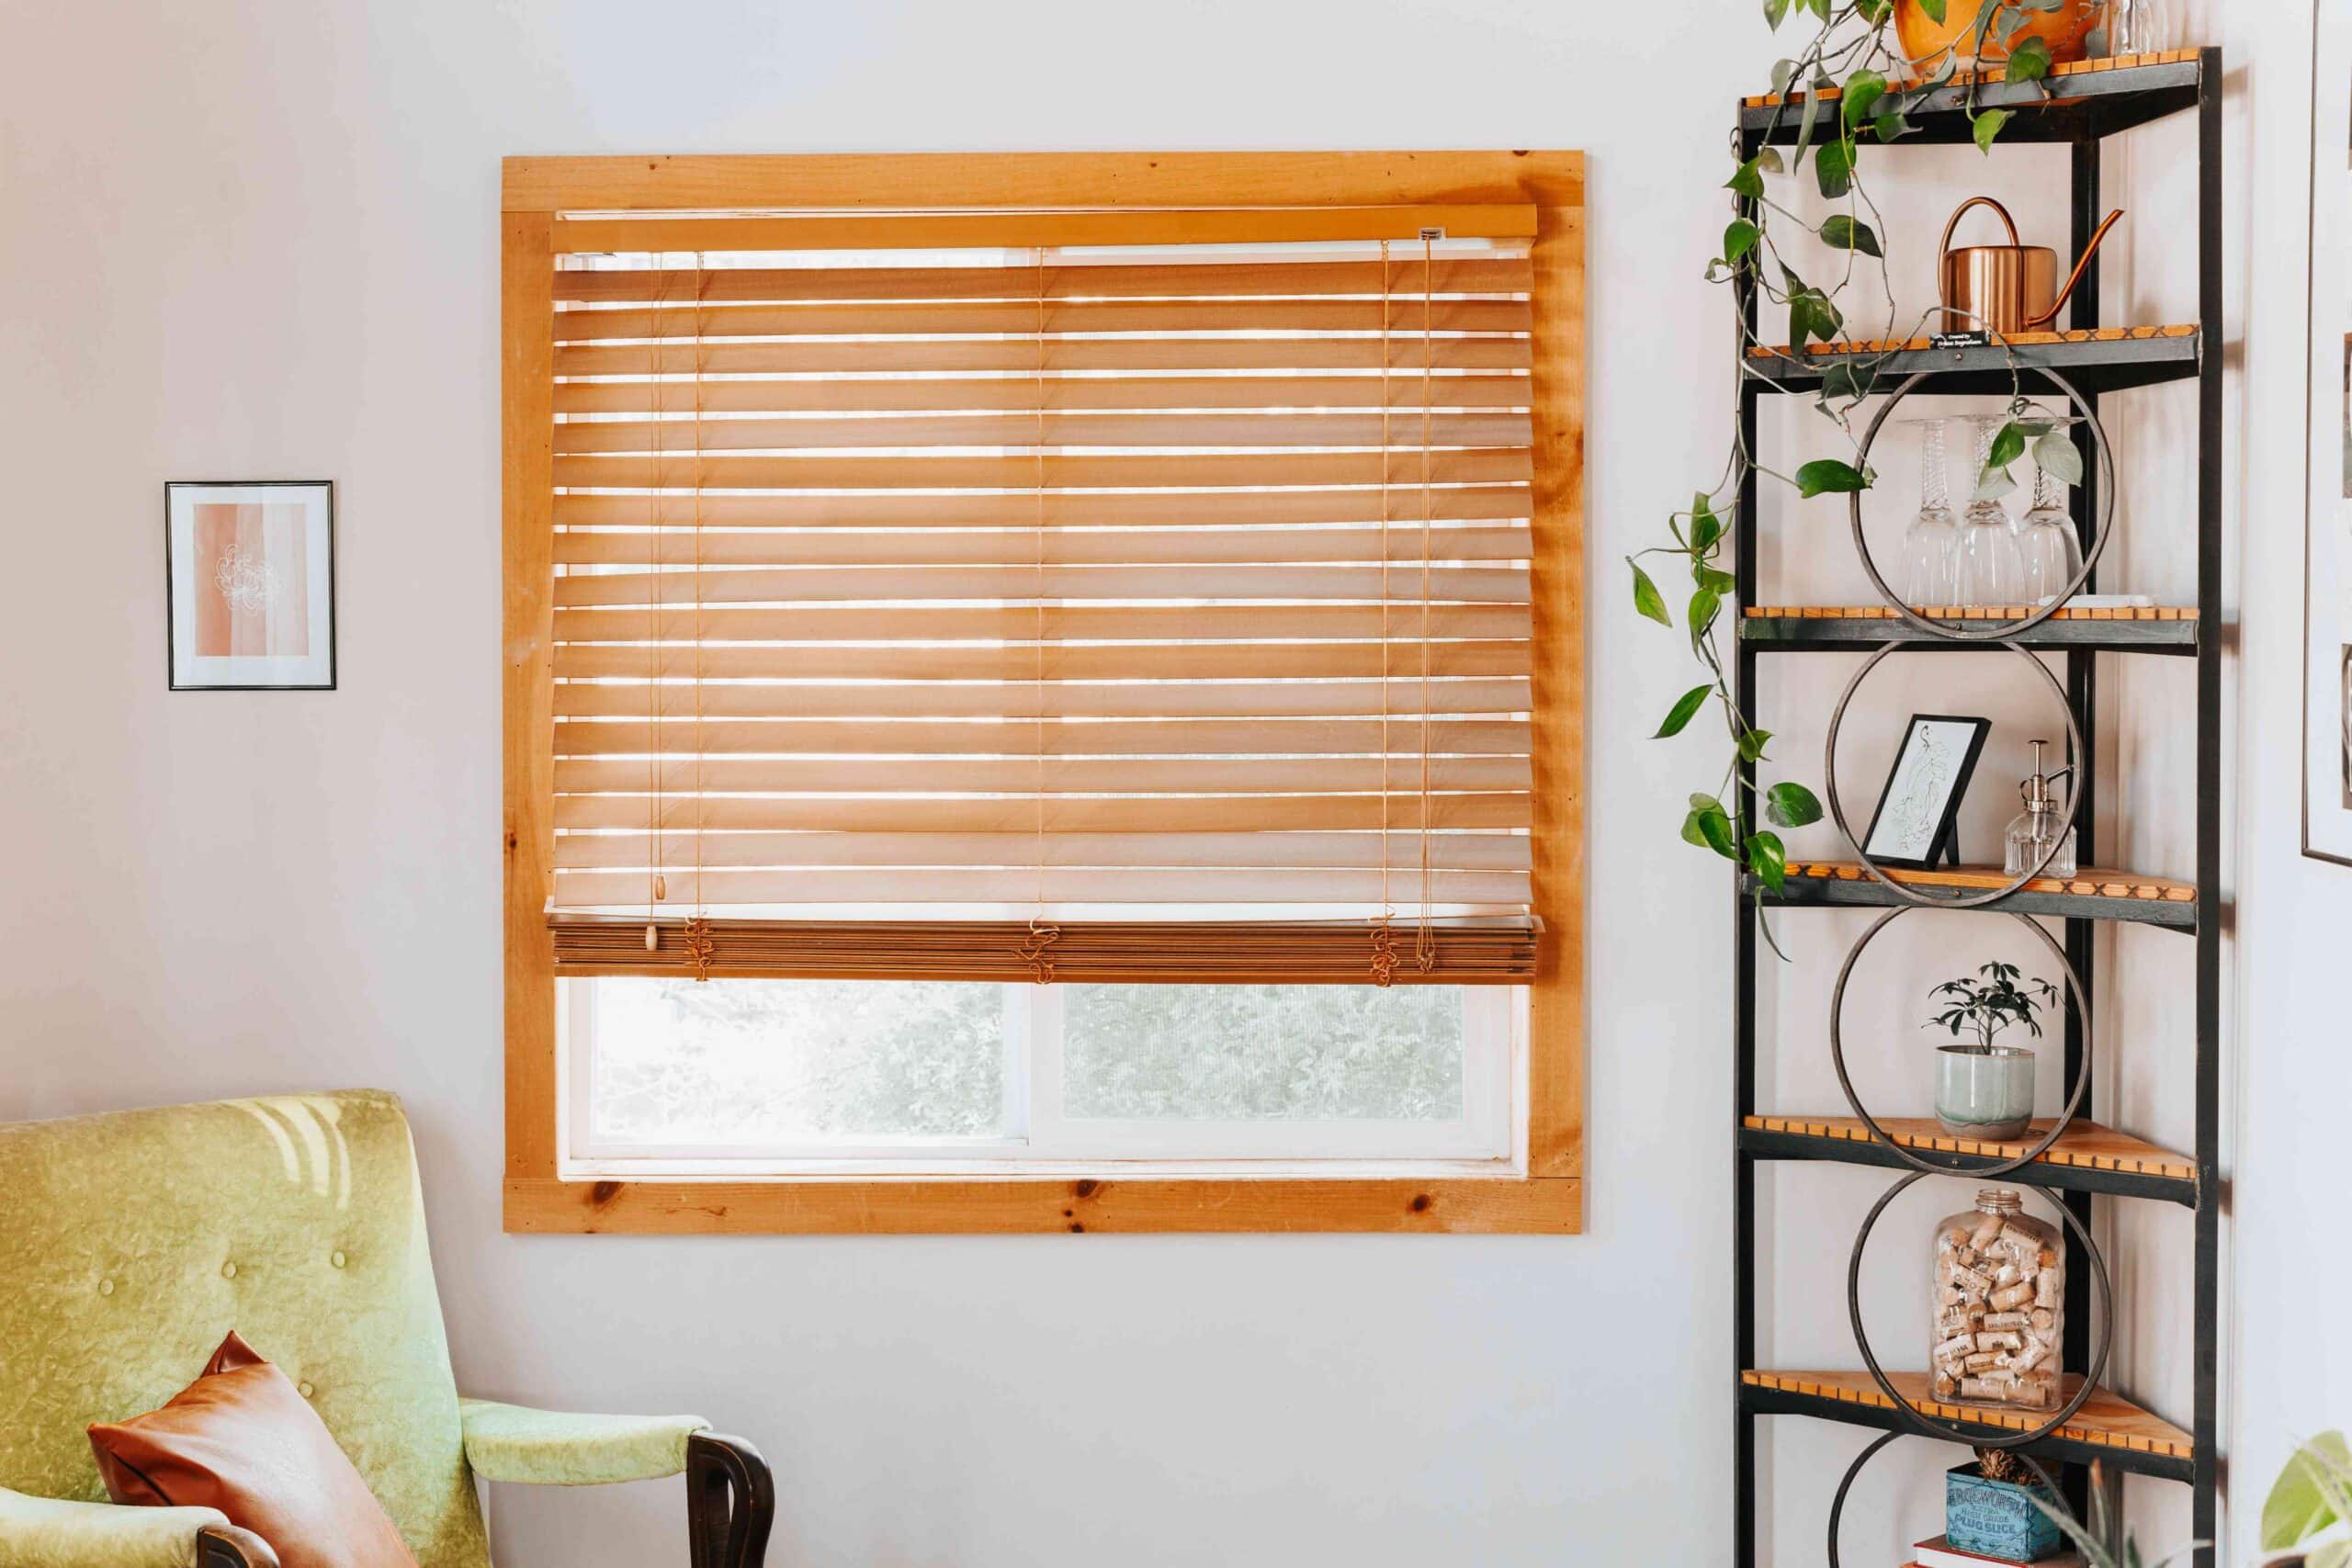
130	1243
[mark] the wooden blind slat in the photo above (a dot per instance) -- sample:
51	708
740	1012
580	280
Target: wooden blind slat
1058	775
923	738
884	394
908	585
1057	472
931	884
683	433
1122	699
1007	547
1054	623
1483	503
1064	279
1401	354
1054	662
936	231
705	323
673	852
1199	814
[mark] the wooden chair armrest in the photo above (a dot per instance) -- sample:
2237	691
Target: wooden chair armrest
730	1502
226	1546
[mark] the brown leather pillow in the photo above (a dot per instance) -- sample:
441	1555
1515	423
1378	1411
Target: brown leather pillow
243	1439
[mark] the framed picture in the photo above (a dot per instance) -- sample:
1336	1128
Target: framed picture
1913	824
2327	537
249	575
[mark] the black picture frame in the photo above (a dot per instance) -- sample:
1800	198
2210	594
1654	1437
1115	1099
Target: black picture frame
1943	845
171	566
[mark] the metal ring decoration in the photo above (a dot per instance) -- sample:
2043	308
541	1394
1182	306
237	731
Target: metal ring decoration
1929	1425
1945	630
1838	1504
1861	850
2002	1167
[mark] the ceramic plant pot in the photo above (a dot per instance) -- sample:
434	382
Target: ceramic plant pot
1926	41
1984	1093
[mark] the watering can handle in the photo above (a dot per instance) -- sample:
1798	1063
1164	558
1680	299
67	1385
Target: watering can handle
2082	263
1961	211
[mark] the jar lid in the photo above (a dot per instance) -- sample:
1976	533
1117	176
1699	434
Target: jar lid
1999	1200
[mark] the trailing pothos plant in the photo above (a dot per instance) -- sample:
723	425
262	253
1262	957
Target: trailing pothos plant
1852	52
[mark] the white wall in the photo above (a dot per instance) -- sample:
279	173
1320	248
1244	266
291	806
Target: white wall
259	240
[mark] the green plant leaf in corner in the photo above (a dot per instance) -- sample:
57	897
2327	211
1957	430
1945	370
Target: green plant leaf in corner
1840	233
1987	125
2298	1507
1745	181
2008	445
1678	718
1752	744
1647	599
1713	579
1792	806
1704	604
1768	859
1827	476
1711	828
1894	128
1775	12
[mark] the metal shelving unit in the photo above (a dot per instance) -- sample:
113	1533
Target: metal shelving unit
2080	107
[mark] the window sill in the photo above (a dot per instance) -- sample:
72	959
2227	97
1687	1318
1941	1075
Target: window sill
1508	1204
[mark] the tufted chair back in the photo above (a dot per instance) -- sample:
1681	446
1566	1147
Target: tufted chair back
130	1243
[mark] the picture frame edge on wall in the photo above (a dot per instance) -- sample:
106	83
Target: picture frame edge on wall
2339	347
1942	845
173	653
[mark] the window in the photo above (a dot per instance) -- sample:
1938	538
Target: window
1082	681
827	1076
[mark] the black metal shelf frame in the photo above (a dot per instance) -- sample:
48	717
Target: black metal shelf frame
2087	108
1858	634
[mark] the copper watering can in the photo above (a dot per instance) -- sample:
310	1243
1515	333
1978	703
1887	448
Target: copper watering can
2005	288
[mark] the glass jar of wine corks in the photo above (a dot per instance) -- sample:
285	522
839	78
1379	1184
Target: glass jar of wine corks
2000	1306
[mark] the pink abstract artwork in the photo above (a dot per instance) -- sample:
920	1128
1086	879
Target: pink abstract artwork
251	579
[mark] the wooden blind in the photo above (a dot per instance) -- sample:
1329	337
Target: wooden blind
1121	596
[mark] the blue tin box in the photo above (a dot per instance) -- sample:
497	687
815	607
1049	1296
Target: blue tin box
1997	1518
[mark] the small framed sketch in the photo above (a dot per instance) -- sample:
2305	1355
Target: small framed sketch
249	572
1913	825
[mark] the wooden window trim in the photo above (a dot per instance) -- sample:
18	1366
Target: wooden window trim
1546	1200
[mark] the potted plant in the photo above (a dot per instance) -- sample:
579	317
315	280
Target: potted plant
2309	1512
1983	1090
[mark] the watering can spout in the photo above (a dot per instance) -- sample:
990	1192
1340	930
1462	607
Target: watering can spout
2082	265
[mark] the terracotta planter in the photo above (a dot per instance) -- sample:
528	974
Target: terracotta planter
1926	41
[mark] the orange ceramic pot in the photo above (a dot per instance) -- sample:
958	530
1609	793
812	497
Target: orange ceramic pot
1926	41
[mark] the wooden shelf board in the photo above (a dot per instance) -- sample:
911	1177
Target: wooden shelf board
2086	1145
2106	1420
1825	351
1965	613
2088	883
2057	74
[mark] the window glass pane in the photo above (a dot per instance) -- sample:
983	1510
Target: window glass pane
773	1061
1262	1052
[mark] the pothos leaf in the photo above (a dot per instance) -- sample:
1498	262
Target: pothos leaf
1833	167
1711	828
1745	181
1987	126
1704	604
1840	233
1768	859
1849	379
1647	599
1863	90
1827	476
2059	457
1775	11
2029	61
1932	9
1894	127
2008	445
1792	806
1752	743
1710	577
1678	717
1738	239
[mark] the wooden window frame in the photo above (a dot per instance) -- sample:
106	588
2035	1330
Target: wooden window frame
1547	1197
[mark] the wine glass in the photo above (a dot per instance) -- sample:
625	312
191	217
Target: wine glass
2137	27
1987	567
1928	542
2050	550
